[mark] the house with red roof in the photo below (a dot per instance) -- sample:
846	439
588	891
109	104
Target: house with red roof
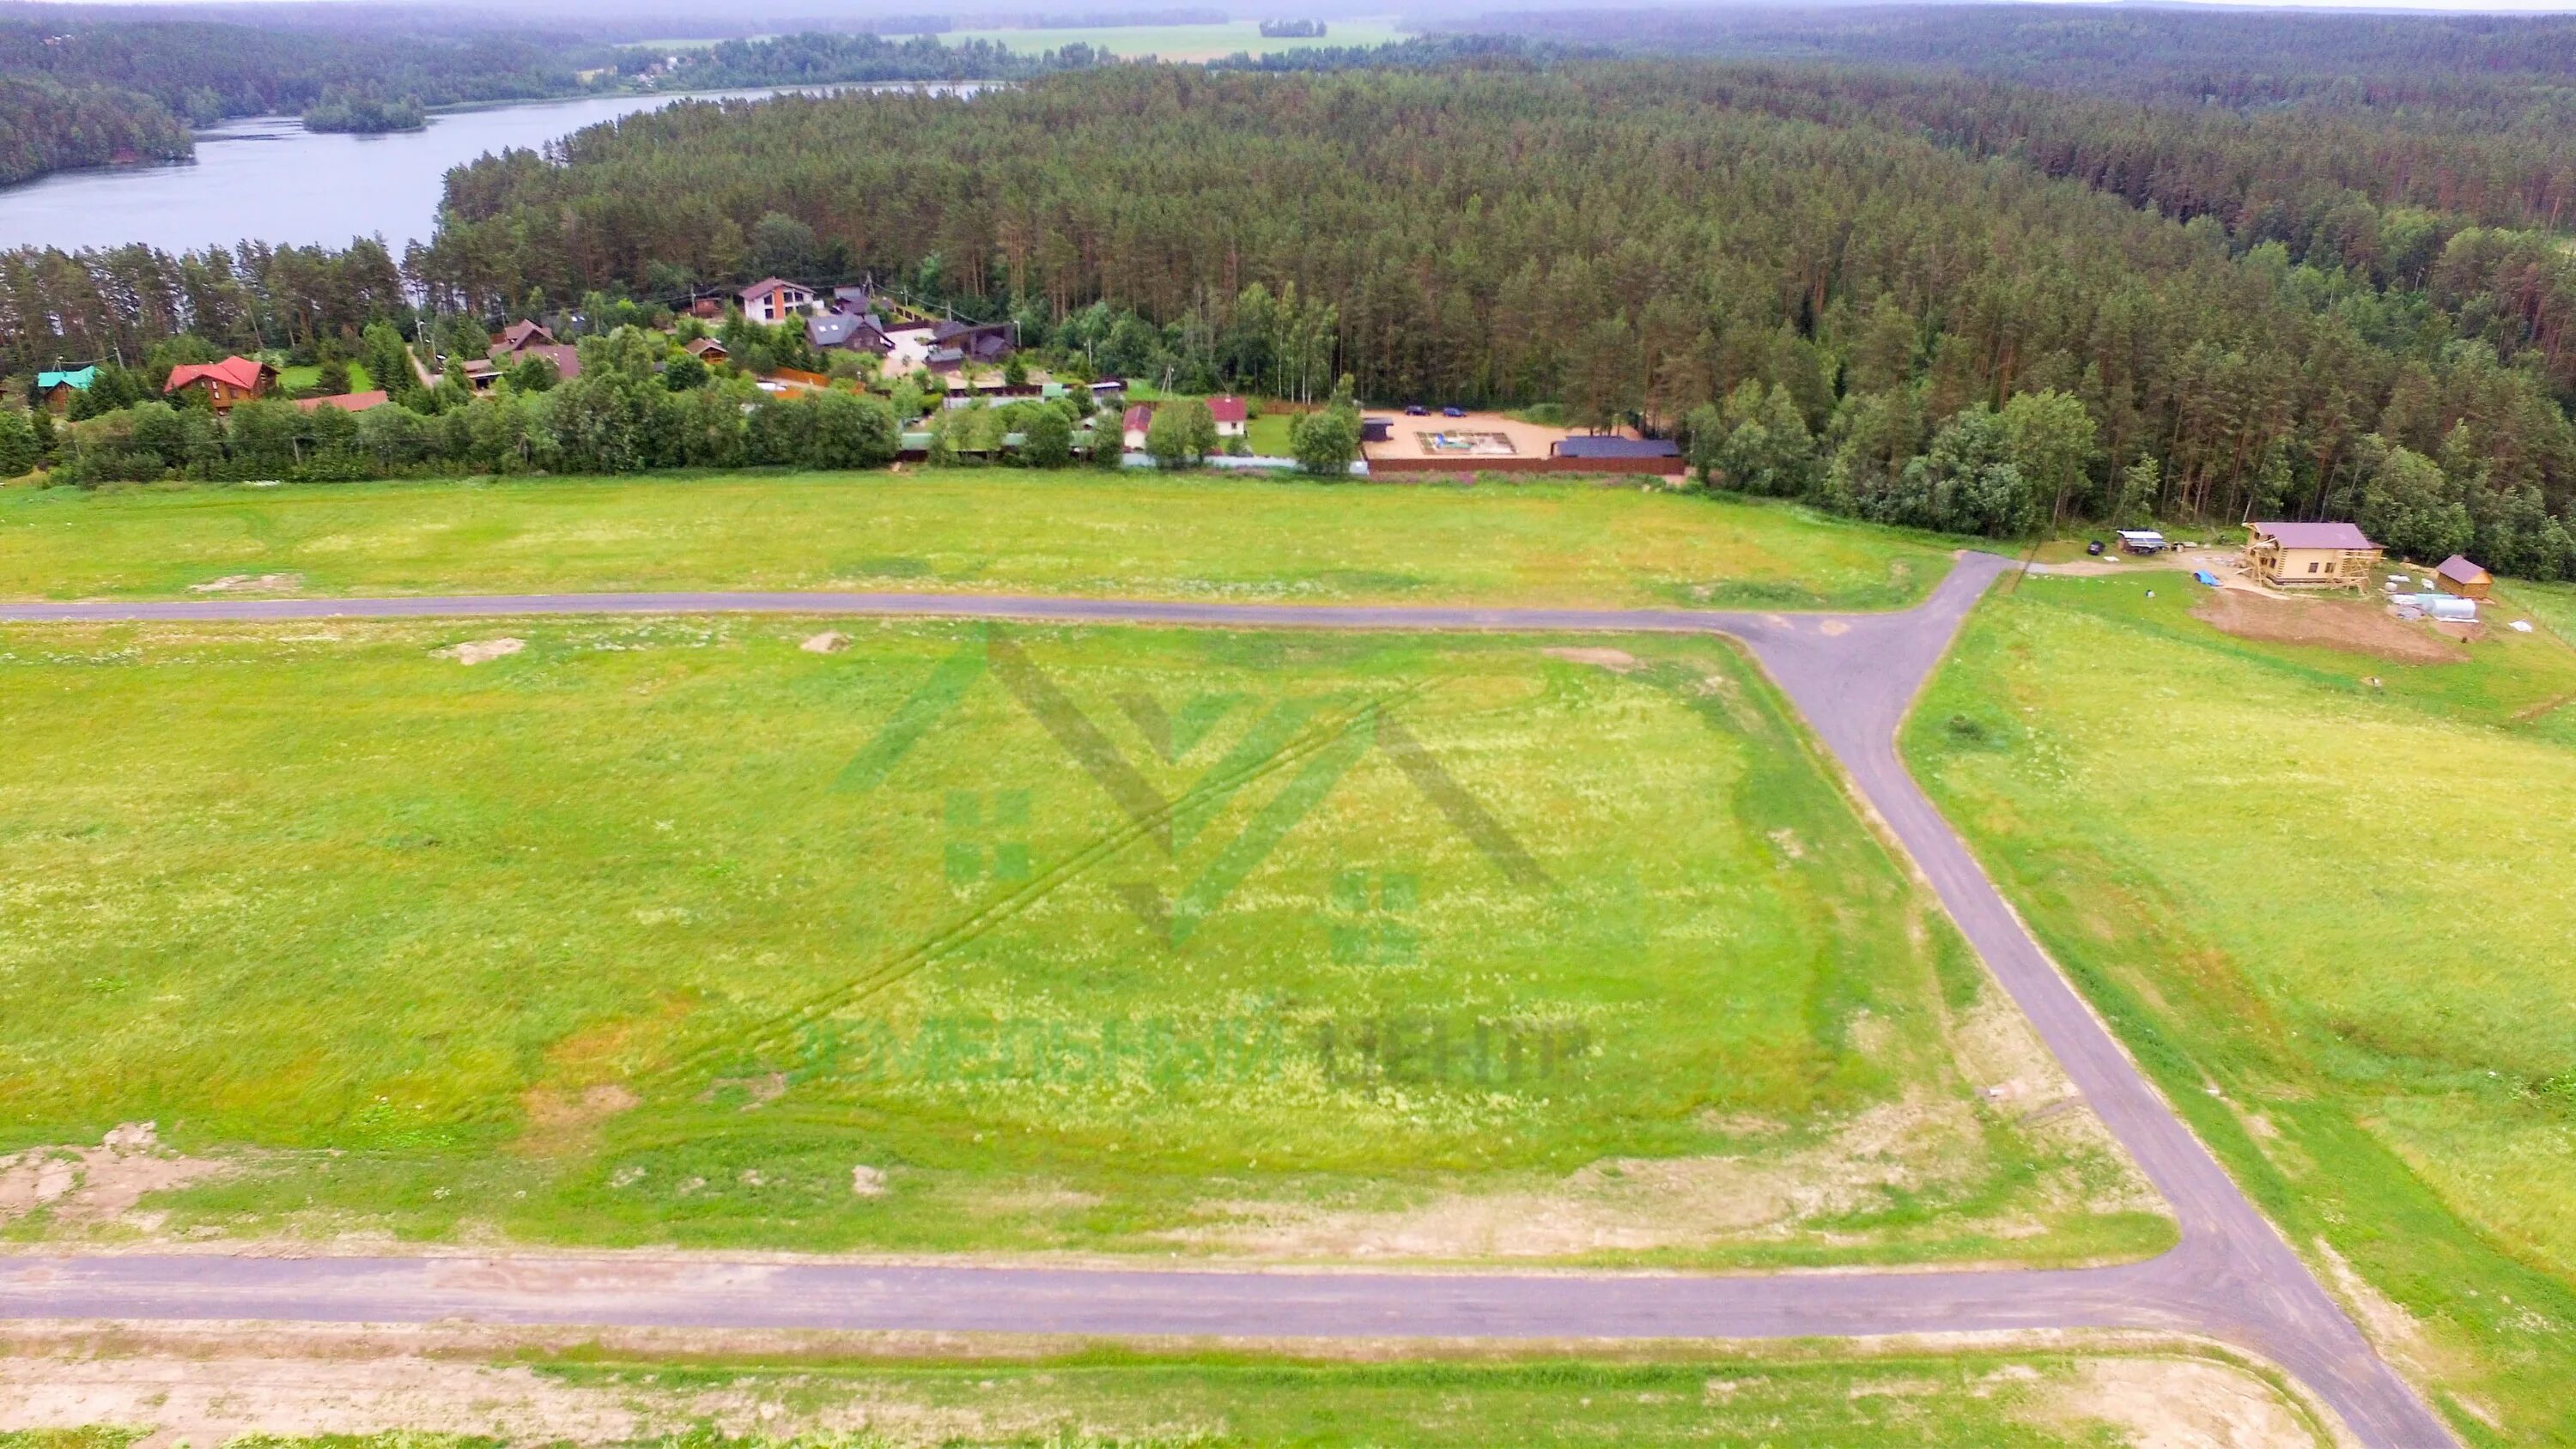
235	379
1233	419
1139	418
774	299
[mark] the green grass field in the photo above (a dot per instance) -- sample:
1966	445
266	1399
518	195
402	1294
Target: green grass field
291	380
2333	917
1186	42
983	531
1123	940
1983	1399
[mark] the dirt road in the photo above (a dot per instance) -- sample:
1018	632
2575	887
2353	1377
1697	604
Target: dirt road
1854	676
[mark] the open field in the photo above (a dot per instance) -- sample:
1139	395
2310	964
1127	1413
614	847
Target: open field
1185	42
205	1390
2331	916
1239	946
981	531
295	379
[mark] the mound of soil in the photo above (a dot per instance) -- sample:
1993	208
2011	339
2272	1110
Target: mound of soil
2348	624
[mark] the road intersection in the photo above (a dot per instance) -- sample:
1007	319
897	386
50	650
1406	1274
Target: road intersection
1853	676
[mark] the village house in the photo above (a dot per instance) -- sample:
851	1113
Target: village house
2310	555
706	350
56	389
958	344
1139	418
847	332
1233	419
520	336
2462	579
853	301
775	299
233	380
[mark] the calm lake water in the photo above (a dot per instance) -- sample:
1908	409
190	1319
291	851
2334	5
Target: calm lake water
271	180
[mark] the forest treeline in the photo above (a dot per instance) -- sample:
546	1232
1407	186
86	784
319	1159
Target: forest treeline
46	127
2445	67
1647	238
1828	297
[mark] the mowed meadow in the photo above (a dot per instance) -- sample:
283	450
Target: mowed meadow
989	531
2325	897
1013	940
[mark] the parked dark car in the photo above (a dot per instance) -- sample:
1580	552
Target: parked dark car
2094	547
1415	410
1453	411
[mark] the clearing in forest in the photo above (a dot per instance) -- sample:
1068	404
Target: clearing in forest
946	937
980	531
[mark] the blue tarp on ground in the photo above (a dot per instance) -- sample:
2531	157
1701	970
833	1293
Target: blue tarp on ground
2206	577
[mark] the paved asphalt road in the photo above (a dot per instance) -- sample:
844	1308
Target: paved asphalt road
1854	676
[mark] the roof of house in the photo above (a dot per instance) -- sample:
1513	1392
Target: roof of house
520	334
1226	409
844	329
567	359
1586	445
701	346
1140	416
241	372
347	402
767	285
2313	535
2460	571
77	379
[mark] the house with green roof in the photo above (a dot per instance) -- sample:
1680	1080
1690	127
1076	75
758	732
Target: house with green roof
55	389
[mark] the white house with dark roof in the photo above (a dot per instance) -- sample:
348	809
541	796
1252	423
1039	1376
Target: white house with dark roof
775	299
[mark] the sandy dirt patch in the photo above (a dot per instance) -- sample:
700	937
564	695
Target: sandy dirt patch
211	1399
480	651
2178	1403
1631	1204
830	641
250	584
95	1184
1476	437
1617	661
2347	624
562	1123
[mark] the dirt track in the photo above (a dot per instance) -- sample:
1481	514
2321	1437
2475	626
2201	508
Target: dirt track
1854	676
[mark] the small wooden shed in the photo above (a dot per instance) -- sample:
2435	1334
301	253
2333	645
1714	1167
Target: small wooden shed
2457	576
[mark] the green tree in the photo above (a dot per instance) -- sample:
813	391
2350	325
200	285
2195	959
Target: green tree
1047	438
2050	438
1326	442
19	451
2412	508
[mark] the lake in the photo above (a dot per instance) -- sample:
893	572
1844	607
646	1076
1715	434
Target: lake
269	179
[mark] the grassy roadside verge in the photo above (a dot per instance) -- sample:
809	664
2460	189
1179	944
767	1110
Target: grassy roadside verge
1818	1396
987	531
2317	893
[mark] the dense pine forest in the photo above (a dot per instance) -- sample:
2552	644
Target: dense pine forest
1650	238
1934	293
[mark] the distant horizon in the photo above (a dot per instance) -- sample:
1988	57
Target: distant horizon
993	16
